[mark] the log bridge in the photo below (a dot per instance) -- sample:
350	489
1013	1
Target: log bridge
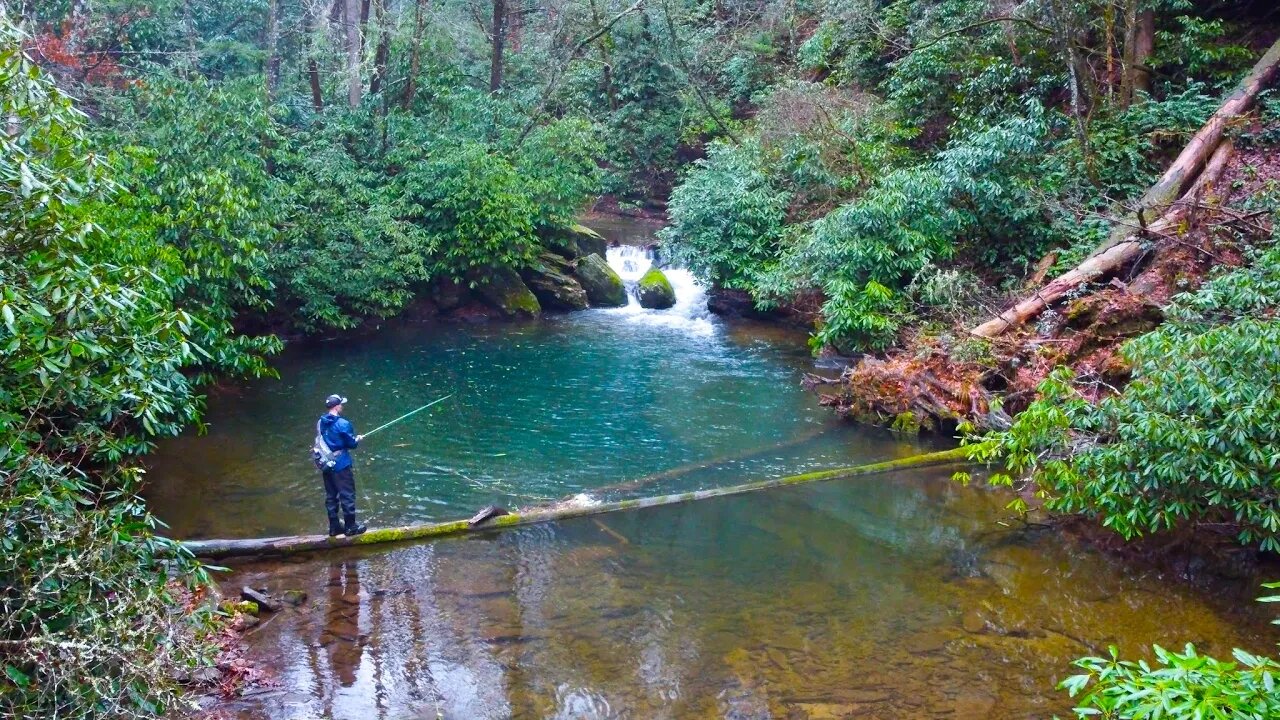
292	544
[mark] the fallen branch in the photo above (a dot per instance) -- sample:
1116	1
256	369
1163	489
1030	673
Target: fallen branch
1171	198
1111	259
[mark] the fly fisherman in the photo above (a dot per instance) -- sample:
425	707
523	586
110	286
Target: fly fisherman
335	439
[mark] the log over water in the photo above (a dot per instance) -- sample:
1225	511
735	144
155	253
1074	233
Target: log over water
289	544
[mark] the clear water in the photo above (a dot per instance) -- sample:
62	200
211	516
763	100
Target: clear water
900	596
613	403
891	597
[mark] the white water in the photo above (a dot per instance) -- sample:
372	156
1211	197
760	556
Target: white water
690	312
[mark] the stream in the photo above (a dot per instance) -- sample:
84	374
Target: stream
898	596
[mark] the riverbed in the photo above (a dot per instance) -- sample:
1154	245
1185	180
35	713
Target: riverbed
897	596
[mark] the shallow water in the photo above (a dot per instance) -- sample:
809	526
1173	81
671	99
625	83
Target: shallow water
888	597
634	400
898	596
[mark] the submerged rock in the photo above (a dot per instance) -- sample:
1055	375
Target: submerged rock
603	286
550	280
655	291
575	242
504	290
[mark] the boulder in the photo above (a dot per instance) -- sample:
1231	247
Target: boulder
448	294
603	286
503	289
575	242
550	279
655	290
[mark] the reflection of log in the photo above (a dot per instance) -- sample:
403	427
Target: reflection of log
1114	257
1204	155
291	544
688	468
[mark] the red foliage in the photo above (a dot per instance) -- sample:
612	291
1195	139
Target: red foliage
65	54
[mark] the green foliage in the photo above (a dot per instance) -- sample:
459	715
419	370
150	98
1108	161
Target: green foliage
197	205
96	363
379	207
726	218
1177	685
1182	685
861	254
1190	439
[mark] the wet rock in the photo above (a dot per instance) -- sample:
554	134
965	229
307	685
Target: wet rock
826	711
925	643
550	279
264	601
245	607
295	597
247	621
973	706
504	290
603	286
575	242
973	622
655	291
206	676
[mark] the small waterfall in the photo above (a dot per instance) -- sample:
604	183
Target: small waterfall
690	312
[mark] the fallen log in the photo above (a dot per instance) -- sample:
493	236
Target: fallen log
1114	257
291	544
1195	156
1161	200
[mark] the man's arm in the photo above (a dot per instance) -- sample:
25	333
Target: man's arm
348	432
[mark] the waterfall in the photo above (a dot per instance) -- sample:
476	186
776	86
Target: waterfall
690	312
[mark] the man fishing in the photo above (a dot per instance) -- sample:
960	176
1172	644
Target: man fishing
337	436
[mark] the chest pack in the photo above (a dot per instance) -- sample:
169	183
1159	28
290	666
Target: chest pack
321	454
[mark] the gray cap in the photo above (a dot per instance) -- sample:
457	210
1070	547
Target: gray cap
334	400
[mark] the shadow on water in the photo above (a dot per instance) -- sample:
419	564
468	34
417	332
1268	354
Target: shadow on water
887	598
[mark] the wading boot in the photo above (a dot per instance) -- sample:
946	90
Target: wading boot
335	528
352	528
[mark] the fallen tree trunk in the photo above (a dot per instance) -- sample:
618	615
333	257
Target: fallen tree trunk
291	544
1161	200
1114	257
1196	155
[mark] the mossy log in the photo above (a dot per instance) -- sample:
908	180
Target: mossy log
290	544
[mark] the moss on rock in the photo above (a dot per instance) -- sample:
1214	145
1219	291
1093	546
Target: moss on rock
504	290
655	290
551	280
603	286
576	241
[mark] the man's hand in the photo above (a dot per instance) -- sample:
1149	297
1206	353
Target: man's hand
359	438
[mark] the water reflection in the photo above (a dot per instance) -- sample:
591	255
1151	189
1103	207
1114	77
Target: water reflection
892	598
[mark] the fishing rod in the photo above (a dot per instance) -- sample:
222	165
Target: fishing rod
408	414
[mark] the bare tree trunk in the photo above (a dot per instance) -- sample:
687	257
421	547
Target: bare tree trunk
499	40
313	67
415	57
351	19
273	42
381	55
1144	47
605	61
1139	44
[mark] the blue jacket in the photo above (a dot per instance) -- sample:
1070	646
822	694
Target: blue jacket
340	436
